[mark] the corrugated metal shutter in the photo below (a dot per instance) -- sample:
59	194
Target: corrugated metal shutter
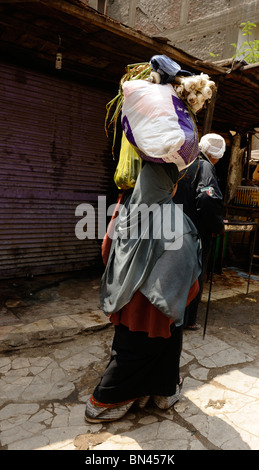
54	155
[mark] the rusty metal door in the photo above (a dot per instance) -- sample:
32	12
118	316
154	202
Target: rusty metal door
54	155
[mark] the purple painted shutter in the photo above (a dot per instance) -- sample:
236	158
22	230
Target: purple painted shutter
54	155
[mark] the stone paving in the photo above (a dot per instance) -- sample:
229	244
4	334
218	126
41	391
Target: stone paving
54	349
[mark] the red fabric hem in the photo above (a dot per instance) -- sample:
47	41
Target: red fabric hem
140	315
97	403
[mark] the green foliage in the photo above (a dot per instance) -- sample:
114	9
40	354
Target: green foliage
249	50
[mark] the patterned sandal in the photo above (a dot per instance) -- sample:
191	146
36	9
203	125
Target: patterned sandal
142	401
97	412
164	403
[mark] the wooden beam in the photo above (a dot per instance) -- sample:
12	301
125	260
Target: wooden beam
210	65
223	62
251	66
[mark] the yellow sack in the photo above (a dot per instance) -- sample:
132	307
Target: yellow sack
129	165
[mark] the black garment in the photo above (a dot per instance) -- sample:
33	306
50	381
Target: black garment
202	200
140	366
199	193
191	310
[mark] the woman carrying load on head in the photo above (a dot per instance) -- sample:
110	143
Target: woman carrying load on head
151	275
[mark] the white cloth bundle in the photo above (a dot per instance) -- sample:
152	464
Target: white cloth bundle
157	122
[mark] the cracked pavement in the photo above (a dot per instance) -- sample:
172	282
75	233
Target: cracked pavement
46	378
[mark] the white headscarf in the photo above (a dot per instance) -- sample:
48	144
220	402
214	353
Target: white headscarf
212	145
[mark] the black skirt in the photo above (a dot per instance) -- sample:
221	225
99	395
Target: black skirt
140	366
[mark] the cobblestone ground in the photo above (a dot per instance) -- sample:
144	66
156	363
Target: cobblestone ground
43	390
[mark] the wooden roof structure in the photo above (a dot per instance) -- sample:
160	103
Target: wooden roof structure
237	100
97	48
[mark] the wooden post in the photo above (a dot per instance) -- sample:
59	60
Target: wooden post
235	169
207	123
248	154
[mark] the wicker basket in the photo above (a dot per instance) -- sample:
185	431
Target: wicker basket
247	196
